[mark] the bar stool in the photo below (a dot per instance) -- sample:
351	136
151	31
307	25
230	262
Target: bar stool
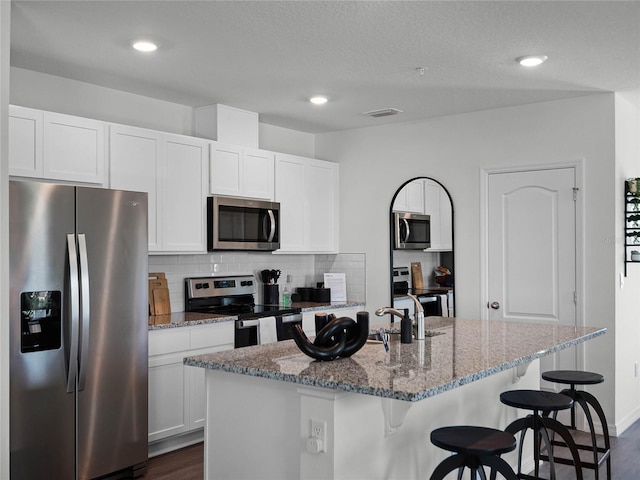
540	402
474	447
584	399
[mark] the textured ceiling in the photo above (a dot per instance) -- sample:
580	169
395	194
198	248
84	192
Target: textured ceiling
270	56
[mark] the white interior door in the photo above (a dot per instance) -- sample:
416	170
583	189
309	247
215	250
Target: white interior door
532	251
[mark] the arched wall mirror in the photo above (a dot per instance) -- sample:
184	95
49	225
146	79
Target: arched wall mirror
421	247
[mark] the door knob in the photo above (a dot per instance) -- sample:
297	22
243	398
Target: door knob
494	305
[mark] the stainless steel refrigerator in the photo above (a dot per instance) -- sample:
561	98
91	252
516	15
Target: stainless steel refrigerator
79	313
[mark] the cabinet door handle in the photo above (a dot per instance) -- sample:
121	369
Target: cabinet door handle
494	305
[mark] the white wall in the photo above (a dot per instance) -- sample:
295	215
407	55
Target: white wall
627	330
58	94
5	23
305	270
375	161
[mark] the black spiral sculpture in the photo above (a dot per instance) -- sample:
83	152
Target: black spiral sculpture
335	337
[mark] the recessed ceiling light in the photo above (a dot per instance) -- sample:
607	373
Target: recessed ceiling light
318	100
531	60
145	46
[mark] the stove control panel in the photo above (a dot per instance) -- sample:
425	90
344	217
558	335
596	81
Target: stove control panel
200	287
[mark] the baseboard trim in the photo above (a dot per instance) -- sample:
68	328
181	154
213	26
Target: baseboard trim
617	429
175	442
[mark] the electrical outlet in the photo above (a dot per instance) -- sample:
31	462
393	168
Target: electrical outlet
319	432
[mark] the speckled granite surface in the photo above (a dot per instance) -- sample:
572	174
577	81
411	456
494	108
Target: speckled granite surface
185	319
320	307
190	319
468	350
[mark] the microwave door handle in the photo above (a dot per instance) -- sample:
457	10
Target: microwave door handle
272	221
407	229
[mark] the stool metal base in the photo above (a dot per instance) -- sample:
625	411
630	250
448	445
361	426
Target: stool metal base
541	402
474	464
584	399
540	427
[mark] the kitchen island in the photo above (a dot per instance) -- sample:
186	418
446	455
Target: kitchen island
273	412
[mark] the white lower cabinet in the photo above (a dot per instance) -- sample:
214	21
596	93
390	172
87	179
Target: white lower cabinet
167	409
177	402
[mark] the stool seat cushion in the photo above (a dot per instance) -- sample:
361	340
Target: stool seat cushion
536	400
471	440
573	377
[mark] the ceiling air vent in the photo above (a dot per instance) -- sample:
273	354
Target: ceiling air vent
385	112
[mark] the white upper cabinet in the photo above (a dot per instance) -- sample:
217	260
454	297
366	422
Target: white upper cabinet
307	190
134	164
183	194
25	142
438	205
410	198
241	172
173	170
54	146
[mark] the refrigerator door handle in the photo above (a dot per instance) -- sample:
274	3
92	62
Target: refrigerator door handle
74	316
85	311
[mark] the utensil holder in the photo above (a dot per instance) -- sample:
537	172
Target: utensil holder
271	294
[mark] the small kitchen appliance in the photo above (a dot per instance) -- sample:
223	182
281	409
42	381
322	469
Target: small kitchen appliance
401	280
242	224
412	231
234	295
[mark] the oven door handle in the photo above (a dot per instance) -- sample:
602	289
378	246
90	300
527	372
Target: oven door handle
247	323
296	317
427	299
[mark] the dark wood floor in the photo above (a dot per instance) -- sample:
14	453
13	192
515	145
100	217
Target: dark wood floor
625	459
187	464
184	464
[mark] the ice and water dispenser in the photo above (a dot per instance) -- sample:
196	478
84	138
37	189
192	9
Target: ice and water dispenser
41	321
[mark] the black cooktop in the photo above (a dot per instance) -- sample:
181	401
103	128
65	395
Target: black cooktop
245	311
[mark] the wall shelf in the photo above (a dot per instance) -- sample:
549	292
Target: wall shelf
631	223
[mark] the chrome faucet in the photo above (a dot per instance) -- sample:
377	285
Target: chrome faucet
406	330
418	316
391	311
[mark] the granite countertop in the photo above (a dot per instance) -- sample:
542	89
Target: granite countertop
190	319
185	319
455	352
314	306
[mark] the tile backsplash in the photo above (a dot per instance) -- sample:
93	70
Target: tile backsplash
305	270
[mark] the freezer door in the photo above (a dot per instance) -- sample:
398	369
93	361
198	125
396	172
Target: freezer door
42	414
112	381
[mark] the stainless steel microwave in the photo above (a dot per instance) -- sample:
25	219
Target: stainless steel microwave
412	231
242	224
